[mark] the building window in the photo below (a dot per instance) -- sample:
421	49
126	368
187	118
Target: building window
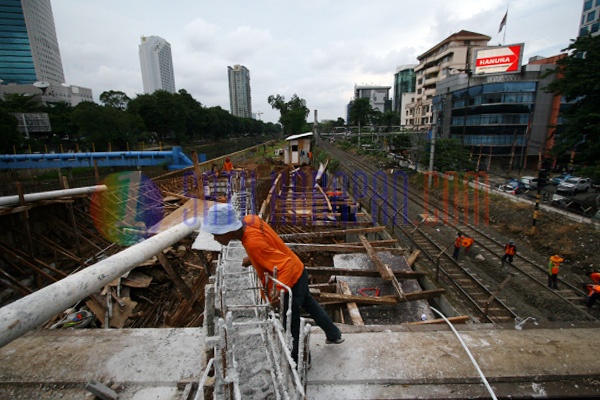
588	5
591	16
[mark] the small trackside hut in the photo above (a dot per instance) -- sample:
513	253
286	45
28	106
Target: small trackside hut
297	149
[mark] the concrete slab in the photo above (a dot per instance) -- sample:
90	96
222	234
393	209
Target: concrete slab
149	360
429	362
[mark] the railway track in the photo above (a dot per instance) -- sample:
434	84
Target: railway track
481	297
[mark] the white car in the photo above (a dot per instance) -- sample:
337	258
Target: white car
529	182
573	185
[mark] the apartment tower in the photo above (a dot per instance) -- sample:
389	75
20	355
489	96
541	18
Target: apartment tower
30	51
240	100
157	65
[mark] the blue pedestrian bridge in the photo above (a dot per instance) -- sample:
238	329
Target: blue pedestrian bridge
173	159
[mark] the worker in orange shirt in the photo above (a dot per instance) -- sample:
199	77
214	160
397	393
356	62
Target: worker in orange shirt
227	165
553	268
266	251
592	295
510	250
457	245
467	243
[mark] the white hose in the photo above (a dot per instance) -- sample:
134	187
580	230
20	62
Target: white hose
485	382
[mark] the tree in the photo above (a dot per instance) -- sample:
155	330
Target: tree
293	113
10	135
577	80
115	99
361	112
450	155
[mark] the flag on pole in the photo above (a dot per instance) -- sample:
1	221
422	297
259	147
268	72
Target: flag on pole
503	22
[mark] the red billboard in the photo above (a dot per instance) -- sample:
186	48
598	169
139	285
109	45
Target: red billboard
499	59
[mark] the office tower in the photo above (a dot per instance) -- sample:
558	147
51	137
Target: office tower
590	18
157	65
404	82
28	41
379	96
240	101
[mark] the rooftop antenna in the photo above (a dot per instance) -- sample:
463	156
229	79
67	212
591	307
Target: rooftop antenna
42	85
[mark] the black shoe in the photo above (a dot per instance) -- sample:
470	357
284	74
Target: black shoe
335	341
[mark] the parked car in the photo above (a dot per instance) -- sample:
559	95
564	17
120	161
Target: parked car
573	185
529	182
507	188
558	179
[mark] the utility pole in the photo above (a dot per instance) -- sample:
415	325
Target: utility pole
542	178
432	150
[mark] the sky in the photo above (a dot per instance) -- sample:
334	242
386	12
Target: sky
316	49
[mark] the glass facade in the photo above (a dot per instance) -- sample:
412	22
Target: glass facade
16	59
492	114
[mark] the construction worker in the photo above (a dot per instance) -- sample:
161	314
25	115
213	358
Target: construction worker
595	277
457	245
227	165
593	294
265	251
510	250
553	267
467	243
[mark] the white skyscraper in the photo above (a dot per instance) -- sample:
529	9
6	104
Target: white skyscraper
157	65
240	99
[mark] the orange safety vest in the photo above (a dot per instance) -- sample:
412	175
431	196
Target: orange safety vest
593	289
553	267
510	249
467	242
458	241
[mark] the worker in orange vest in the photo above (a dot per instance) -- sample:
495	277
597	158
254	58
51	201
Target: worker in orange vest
467	243
227	165
510	250
553	267
457	244
593	294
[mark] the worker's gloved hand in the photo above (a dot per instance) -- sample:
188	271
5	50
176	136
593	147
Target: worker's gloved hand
246	262
274	297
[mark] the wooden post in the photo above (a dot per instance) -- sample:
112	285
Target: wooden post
384	270
352	306
177	280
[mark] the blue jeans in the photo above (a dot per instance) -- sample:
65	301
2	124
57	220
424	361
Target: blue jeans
301	297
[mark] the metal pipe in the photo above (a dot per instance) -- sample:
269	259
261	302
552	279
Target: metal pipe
53	194
33	310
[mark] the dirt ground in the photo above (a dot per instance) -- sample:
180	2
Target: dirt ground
578	243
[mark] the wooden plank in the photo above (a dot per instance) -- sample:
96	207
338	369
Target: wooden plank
361	272
413	257
384	269
340	248
344	298
322	234
137	280
177	280
336	298
461	319
353	311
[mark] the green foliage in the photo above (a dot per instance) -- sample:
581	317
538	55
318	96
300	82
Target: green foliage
293	113
10	135
115	99
578	83
361	113
449	155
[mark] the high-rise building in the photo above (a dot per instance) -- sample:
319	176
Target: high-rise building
379	96
404	82
590	18
240	100
30	51
30	62
157	65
